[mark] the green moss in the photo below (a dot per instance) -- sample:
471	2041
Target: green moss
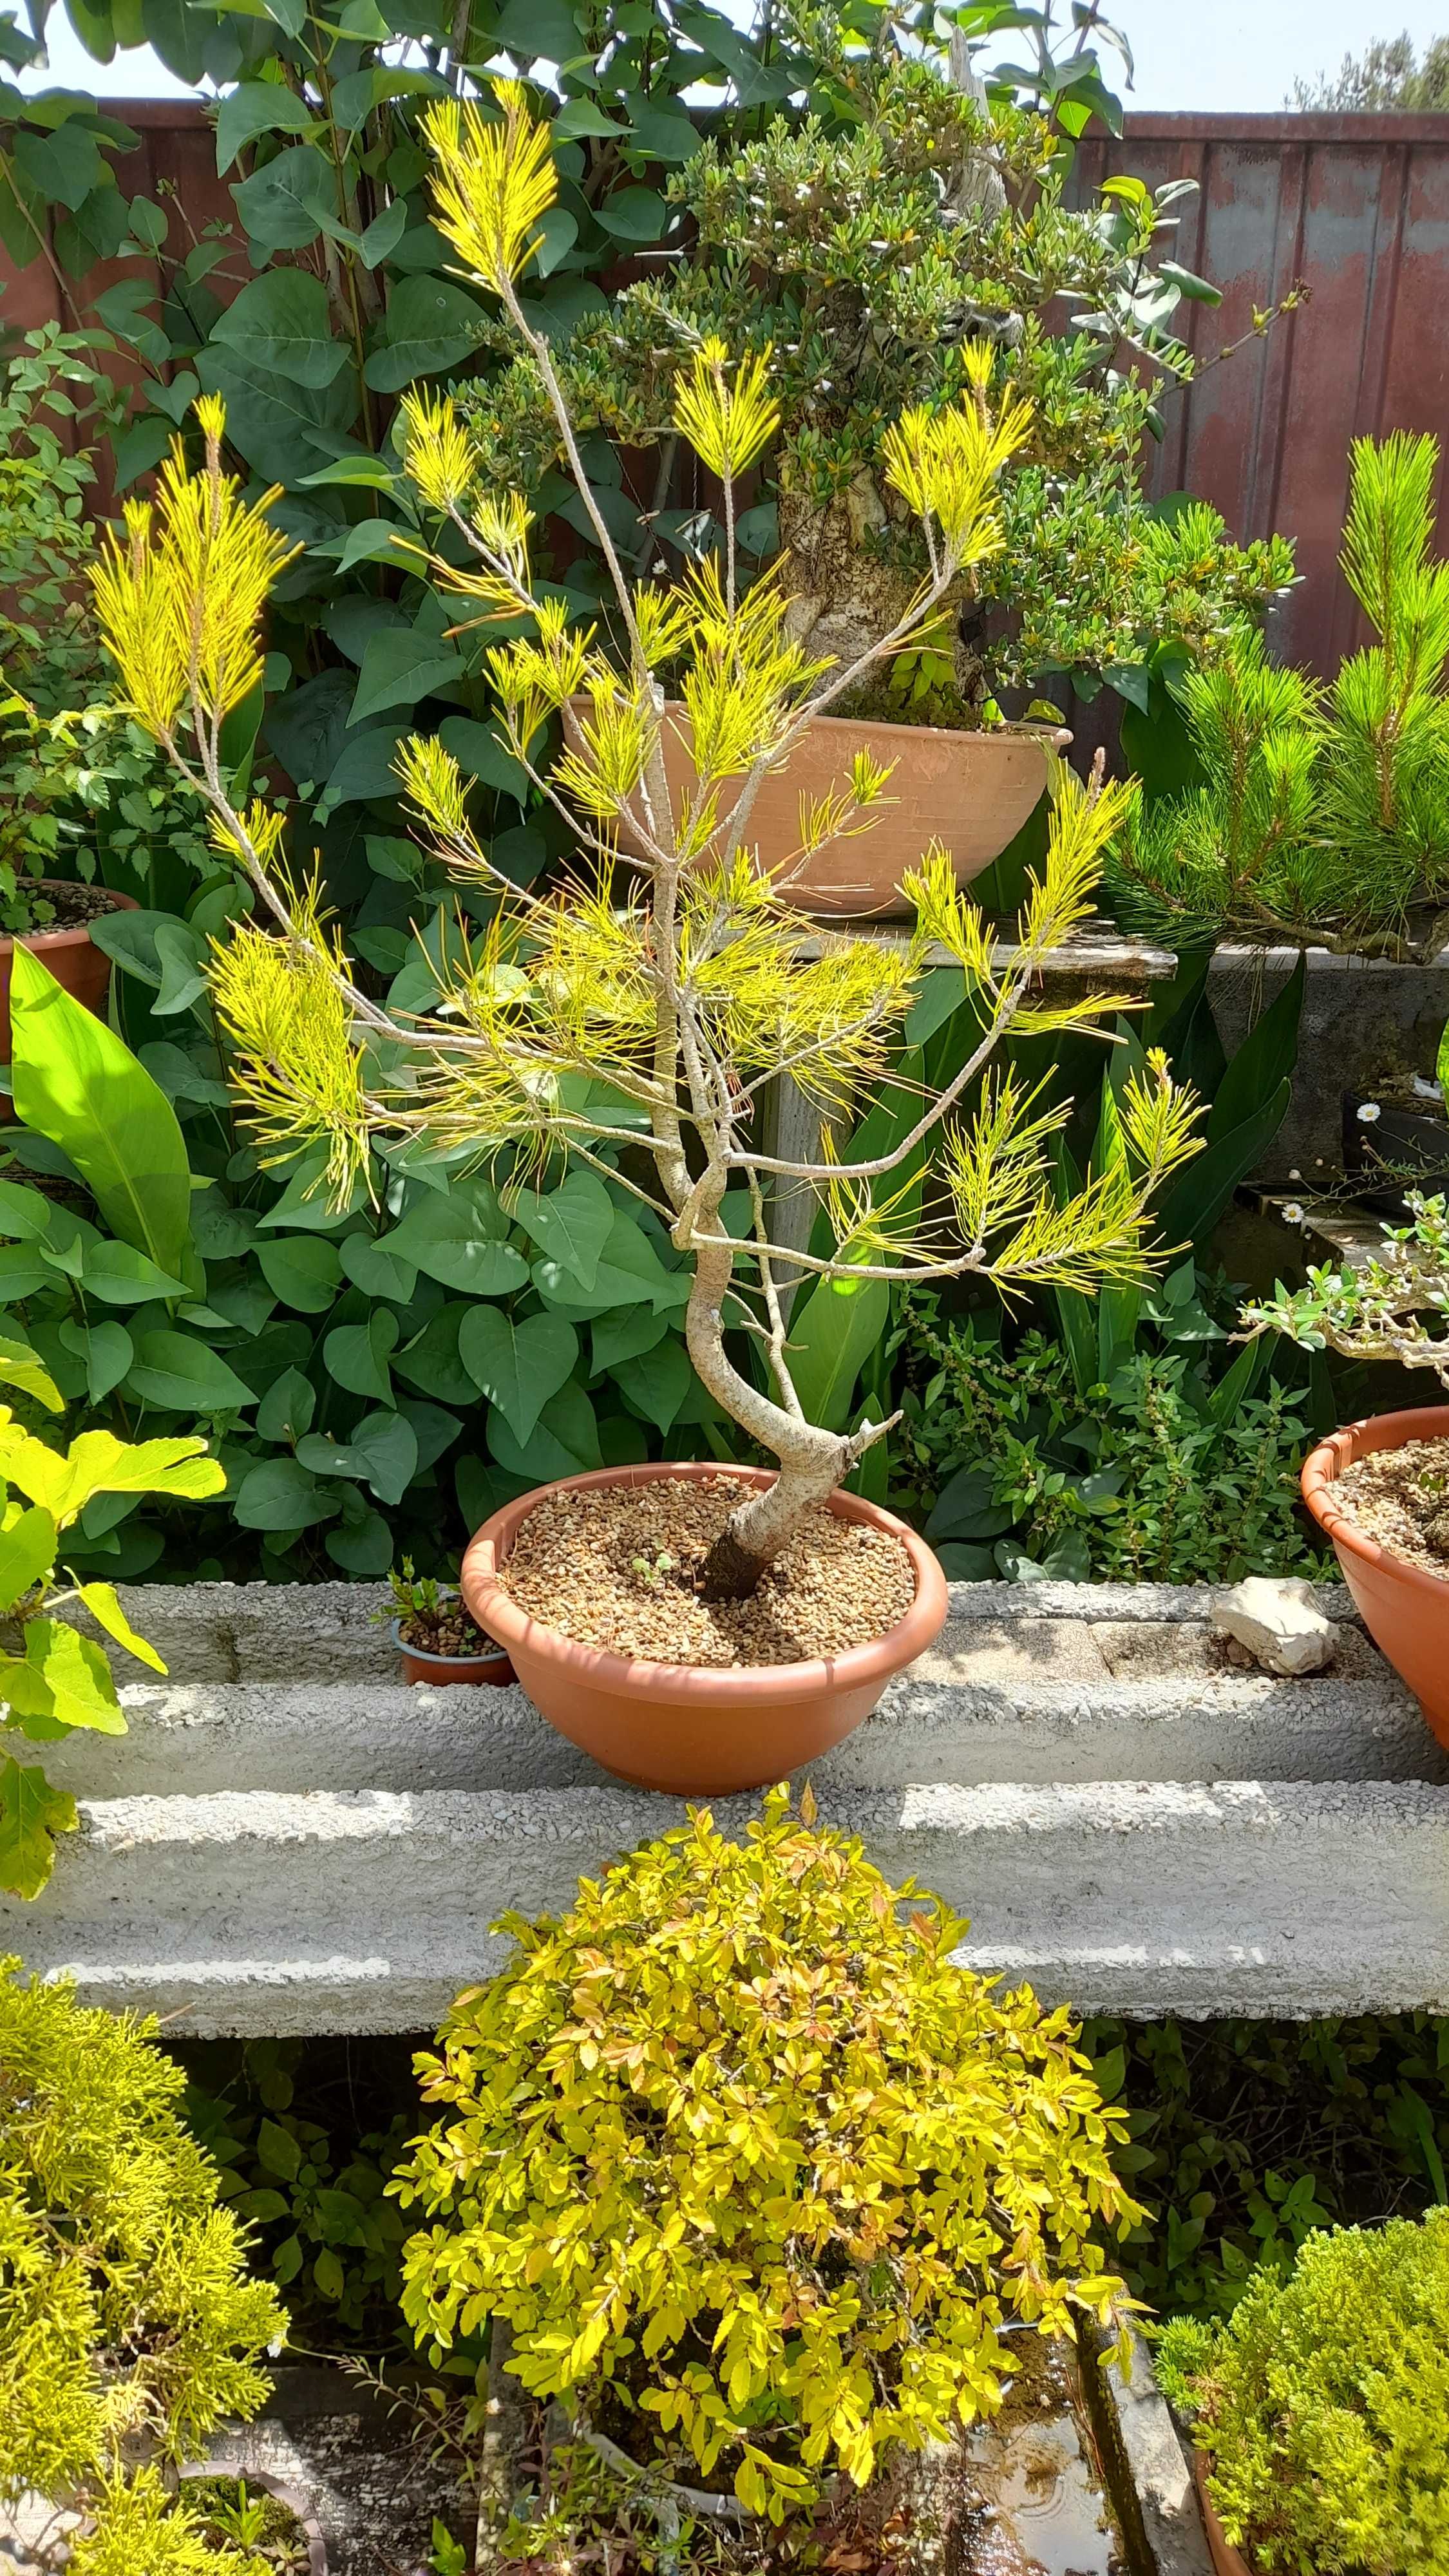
1324	2403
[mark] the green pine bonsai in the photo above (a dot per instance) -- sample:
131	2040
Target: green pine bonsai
865	254
1323	811
1323	2402
127	2320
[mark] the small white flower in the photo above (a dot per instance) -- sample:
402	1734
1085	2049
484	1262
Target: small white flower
1295	1176
1368	1111
1292	1213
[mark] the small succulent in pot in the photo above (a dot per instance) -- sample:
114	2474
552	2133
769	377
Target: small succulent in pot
435	1635
1320	2406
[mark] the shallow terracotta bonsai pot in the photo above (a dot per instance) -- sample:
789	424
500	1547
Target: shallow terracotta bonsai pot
71	955
1227	2560
1405	1610
696	1730
972	792
419	1666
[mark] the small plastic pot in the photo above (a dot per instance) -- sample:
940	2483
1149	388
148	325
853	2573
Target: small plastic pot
419	1666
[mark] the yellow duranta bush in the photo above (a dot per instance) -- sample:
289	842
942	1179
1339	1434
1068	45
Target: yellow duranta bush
739	2155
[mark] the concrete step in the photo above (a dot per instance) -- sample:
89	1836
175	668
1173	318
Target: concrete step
287	1840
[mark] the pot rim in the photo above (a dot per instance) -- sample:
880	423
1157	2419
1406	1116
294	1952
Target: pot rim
1326	1462
852	1669
1217	2538
75	930
1019	729
426	1655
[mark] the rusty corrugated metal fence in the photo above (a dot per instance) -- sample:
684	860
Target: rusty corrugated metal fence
1357	207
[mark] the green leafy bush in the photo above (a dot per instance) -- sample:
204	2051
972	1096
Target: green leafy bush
1144	1478
1321	809
751	2170
125	2308
1322	2402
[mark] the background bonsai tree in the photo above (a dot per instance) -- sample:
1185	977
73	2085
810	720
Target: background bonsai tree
668	966
905	243
1321	2402
820	2173
1389	1308
126	2314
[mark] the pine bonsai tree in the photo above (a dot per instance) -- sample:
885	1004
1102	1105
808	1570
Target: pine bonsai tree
126	2314
1323	811
668	967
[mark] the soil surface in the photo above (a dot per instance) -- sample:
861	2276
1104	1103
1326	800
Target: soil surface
69	906
1401	1498
617	1566
448	1631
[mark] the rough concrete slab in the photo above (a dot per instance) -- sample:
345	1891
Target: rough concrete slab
1364	1019
367	1910
289	1840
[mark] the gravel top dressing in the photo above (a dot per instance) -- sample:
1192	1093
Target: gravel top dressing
1400	1497
588	1565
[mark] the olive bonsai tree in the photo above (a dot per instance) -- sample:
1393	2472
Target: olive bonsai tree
667	965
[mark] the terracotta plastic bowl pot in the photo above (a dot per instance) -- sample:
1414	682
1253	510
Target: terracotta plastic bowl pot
972	792
1405	1610
419	1666
71	955
1227	2560
696	1730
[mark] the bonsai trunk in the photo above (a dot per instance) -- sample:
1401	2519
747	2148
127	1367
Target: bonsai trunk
843	595
812	1461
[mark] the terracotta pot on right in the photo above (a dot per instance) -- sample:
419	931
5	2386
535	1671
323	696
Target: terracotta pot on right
698	1730
419	1666
1405	1610
972	792
1227	2560
71	955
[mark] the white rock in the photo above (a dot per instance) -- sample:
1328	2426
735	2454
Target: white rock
1279	1621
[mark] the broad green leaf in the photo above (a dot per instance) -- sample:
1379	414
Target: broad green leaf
121	1276
281	428
375	1268
304	1270
629	1273
104	1351
99	1463
27	1551
481	753
399	667
357	1355
281	322
363	1549
570	1225
184	1376
430	324
383	1451
661	132
633	214
20	1367
30	1813
100	1599
80	1085
278	2152
518	1366
280	1495
304	1201
286	1410
656	1382
833	1331
431	1362
22	1270
25	1214
75	1672
459	1240
253	108
623	1334
280	207
564	1440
